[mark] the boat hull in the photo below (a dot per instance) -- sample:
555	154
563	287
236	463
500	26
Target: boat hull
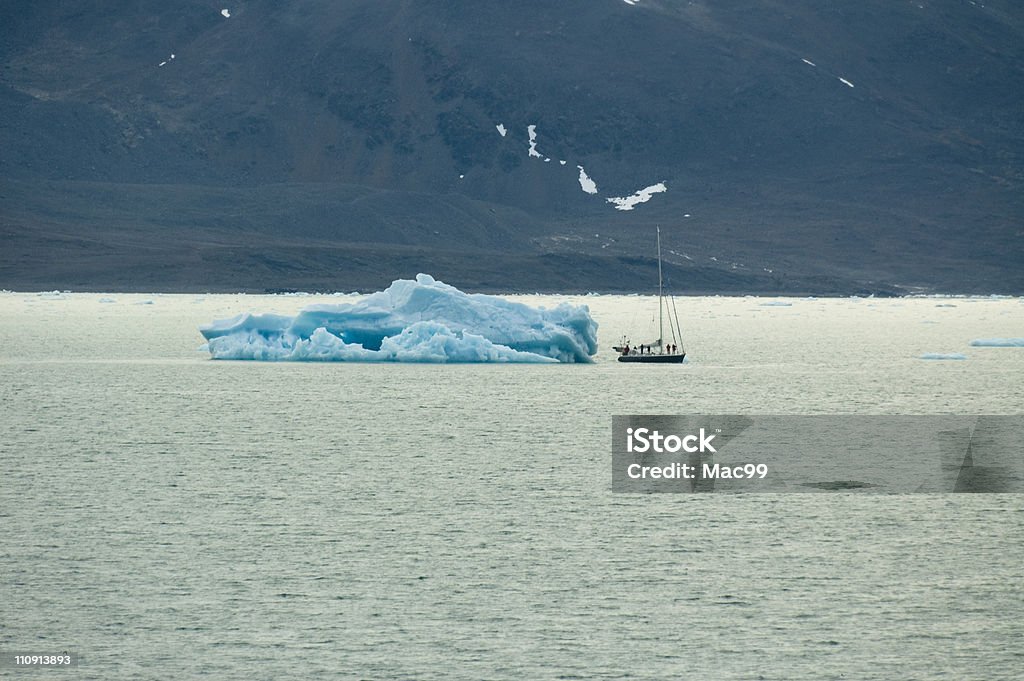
654	359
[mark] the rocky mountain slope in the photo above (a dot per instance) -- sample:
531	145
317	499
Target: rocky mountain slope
804	146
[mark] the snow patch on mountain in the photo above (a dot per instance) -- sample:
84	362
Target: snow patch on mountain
587	184
532	132
642	196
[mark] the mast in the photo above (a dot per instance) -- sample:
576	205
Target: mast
661	330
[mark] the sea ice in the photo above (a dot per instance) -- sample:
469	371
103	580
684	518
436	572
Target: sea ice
226	13
943	355
998	342
501	129
411	321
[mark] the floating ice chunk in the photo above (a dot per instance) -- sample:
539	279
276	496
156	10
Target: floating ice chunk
586	184
435	342
808	62
845	82
630	2
425	342
532	132
501	129
998	342
642	196
226	13
561	163
943	355
161	63
412	321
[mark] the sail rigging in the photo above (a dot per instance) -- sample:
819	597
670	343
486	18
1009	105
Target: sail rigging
658	351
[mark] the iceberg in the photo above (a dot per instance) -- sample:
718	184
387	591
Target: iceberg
998	342
411	321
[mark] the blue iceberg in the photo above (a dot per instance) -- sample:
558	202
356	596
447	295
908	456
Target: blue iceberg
998	342
943	355
411	321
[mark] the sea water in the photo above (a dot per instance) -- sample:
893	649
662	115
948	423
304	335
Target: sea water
169	516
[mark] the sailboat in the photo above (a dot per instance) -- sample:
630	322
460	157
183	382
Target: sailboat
660	351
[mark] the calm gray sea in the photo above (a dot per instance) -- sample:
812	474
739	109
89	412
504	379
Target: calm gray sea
171	517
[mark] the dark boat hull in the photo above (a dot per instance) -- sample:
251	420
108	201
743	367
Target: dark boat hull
654	359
